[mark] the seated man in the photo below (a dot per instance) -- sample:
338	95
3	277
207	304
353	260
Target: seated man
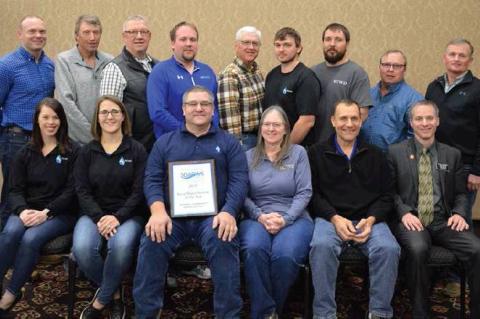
352	196
430	202
216	235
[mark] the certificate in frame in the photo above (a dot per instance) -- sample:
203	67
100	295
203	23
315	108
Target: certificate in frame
192	188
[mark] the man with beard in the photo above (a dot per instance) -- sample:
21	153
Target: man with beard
78	73
171	78
294	87
340	77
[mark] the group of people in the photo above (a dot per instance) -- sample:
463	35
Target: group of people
306	162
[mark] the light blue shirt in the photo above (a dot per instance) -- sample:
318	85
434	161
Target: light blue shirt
388	120
286	190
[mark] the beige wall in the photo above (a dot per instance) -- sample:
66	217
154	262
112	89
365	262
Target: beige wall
420	28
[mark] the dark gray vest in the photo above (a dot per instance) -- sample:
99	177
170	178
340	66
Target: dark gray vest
135	98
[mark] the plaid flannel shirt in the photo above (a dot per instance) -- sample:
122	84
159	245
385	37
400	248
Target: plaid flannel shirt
240	95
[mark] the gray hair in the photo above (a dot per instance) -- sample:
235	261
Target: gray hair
136	17
248	29
461	41
259	150
423	102
90	19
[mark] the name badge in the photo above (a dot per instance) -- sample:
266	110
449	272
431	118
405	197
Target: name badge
442	167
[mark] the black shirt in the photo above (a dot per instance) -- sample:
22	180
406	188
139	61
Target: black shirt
111	184
297	92
39	182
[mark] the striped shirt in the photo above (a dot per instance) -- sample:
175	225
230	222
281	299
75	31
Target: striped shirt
23	83
240	94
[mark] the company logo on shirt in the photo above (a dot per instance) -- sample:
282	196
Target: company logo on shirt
344	83
122	161
218	149
286	90
179	77
205	77
59	159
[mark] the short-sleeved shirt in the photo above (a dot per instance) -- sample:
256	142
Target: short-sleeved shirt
297	92
345	81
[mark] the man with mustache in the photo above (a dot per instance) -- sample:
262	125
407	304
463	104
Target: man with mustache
340	77
171	78
78	73
392	97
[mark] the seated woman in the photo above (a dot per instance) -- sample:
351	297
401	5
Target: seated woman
39	199
109	183
274	240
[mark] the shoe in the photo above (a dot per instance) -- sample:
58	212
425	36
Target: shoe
271	316
4	312
89	312
118	310
202	272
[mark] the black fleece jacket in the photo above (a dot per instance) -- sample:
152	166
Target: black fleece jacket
355	188
111	184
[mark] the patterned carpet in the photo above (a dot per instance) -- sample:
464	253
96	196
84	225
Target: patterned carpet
46	297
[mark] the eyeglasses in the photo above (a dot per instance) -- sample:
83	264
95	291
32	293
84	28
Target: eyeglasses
275	125
134	33
113	112
253	44
203	104
388	66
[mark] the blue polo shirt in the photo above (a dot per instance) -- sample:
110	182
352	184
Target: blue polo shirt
388	121
231	171
165	87
23	83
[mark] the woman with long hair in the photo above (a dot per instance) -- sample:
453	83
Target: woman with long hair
275	236
40	197
109	183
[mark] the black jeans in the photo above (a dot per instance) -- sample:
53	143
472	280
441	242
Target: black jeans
464	245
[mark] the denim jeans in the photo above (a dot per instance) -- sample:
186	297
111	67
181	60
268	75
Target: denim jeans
383	253
222	257
248	141
271	262
10	143
89	249
20	246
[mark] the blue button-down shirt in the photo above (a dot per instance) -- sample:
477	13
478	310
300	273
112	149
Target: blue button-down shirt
231	171
23	83
388	121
